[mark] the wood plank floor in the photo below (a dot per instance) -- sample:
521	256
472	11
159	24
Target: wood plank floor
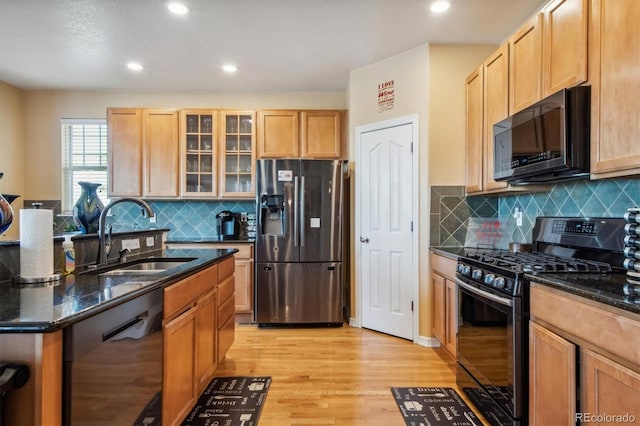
334	376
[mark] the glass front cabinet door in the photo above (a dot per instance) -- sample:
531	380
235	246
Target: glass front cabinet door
198	131
237	151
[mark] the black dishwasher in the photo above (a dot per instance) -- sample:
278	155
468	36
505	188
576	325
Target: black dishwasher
113	365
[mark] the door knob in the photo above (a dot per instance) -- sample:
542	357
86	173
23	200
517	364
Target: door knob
364	240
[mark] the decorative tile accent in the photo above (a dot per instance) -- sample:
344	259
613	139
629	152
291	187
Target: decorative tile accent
598	198
450	211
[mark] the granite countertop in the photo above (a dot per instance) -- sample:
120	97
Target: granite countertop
603	288
200	240
42	308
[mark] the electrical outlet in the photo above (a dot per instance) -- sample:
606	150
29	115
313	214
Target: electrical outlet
152	219
133	244
517	215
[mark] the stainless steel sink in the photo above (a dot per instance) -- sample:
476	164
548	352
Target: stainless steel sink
146	266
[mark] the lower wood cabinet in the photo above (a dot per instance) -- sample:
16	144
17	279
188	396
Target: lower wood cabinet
226	307
243	274
197	314
178	381
445	324
584	363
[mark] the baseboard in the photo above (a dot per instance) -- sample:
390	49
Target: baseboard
353	322
428	342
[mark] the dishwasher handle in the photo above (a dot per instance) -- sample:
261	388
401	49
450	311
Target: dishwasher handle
125	326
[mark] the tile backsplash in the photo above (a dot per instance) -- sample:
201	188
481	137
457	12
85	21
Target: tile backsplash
192	220
597	198
450	209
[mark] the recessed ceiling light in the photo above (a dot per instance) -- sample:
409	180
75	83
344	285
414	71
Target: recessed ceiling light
439	6
135	66
229	68
177	8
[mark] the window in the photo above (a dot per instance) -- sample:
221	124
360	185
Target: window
84	158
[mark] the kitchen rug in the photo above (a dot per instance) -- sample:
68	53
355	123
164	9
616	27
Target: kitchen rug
230	401
433	407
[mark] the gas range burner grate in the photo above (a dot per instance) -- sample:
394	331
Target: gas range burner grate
540	262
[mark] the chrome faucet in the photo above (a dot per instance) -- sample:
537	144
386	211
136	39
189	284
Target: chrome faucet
104	247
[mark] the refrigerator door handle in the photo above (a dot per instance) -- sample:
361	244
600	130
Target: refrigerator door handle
295	211
302	224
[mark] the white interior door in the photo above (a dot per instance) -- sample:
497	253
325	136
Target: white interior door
385	212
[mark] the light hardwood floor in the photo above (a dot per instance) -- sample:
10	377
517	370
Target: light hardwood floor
334	376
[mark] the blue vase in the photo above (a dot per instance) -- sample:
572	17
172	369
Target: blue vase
86	211
6	212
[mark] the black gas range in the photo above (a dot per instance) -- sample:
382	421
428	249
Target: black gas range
493	305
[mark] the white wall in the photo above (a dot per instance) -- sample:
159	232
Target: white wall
12	139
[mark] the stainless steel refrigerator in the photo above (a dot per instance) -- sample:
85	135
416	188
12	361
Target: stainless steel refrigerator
299	242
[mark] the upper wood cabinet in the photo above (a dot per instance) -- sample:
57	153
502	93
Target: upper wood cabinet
496	108
143	152
614	50
198	153
237	153
295	134
525	69
564	45
474	131
124	146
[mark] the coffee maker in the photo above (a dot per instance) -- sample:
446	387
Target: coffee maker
228	225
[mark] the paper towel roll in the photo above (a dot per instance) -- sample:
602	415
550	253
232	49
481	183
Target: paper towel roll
36	243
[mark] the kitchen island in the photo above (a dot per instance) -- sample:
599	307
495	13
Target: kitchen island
33	320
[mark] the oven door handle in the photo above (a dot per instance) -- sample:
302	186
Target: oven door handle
501	300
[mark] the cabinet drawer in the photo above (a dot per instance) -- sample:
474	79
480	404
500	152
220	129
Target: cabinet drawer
443	265
226	336
226	268
226	289
226	310
185	292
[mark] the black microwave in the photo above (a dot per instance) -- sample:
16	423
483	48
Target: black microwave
546	142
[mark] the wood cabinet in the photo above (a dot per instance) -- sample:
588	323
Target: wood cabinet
226	307
190	341
237	154
206	359
564	45
445	324
609	388
554	398
474	131
525	65
300	134
496	108
143	152
178	380
614	51
243	274
608	371
198	153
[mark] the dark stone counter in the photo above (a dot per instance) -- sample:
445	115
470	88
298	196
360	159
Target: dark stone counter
42	308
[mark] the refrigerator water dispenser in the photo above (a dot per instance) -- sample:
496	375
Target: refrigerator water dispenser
272	214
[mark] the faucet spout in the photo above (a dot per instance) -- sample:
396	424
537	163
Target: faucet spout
102	252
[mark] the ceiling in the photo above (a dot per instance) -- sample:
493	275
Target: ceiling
277	45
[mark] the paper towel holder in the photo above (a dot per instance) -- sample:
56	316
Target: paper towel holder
46	280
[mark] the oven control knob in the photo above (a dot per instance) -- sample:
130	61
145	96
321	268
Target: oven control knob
466	270
459	267
489	278
476	274
499	282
